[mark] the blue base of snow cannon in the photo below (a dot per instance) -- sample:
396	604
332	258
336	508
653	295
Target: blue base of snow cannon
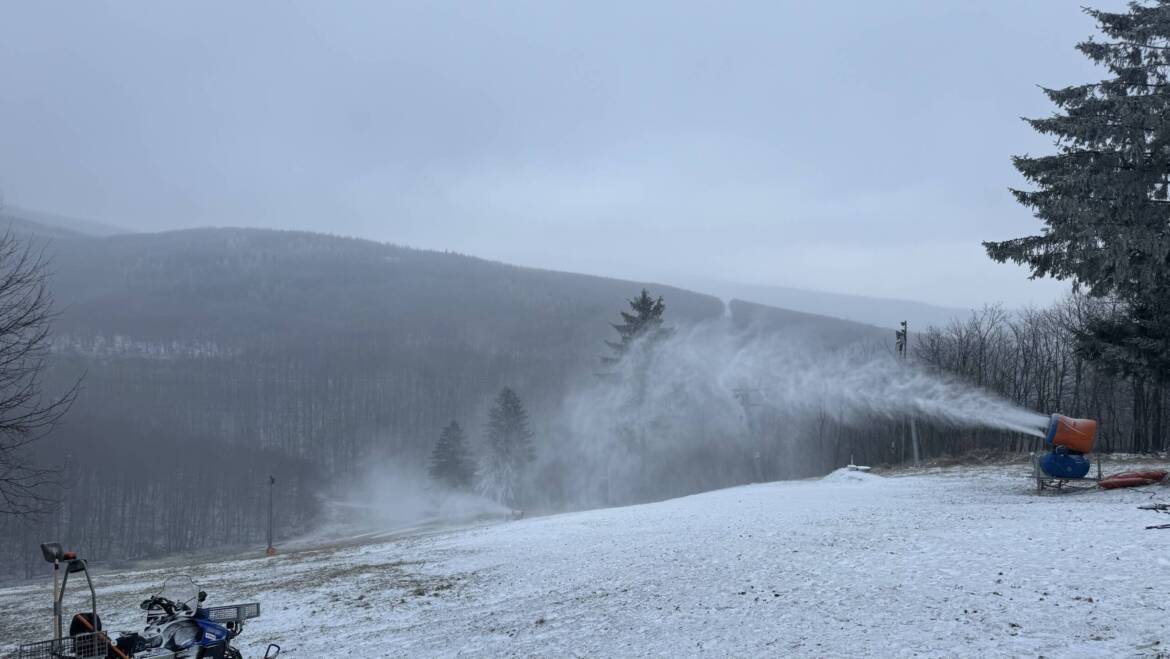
1062	464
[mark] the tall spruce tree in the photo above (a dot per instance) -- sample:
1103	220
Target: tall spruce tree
645	322
1103	195
451	462
509	449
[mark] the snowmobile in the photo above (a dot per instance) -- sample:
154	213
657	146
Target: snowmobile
178	626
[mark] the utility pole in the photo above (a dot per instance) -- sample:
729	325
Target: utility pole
902	343
271	551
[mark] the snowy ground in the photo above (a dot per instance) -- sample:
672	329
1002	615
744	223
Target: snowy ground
958	562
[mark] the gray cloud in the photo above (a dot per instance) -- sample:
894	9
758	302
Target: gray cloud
851	146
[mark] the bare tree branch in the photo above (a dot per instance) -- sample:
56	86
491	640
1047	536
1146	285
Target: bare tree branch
27	413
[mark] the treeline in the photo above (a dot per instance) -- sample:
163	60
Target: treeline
1036	358
501	469
210	359
174	493
206	369
1102	196
1040	359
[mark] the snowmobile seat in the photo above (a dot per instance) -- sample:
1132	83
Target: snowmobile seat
84	623
87	641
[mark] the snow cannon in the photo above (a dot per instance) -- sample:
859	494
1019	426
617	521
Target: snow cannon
1076	435
1070	440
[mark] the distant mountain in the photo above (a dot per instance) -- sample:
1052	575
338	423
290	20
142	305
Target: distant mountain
323	347
883	312
257	289
51	225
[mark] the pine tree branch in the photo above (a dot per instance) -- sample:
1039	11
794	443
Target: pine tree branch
1135	44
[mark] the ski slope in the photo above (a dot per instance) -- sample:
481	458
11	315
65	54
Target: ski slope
960	562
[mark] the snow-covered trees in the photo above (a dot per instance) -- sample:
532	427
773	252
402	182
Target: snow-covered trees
628	365
1103	196
509	450
451	462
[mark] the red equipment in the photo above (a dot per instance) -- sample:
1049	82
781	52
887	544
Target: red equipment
1133	479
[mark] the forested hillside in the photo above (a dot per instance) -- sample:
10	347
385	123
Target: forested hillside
320	347
213	357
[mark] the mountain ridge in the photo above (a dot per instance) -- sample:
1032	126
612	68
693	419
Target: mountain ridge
54	225
878	311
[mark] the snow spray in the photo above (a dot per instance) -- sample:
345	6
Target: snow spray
714	404
713	370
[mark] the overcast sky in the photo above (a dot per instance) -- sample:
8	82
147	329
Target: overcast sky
849	146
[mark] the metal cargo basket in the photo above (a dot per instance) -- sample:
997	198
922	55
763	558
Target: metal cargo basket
82	646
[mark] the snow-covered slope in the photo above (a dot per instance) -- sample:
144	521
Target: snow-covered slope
964	562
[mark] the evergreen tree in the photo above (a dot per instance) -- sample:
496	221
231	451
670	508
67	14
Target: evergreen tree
1103	195
644	322
451	462
509	449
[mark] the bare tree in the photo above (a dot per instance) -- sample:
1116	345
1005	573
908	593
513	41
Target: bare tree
26	412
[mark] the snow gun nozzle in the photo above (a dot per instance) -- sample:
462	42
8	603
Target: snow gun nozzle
1076	435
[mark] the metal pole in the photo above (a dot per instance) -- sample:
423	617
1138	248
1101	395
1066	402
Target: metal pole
56	602
913	423
270	551
903	336
914	439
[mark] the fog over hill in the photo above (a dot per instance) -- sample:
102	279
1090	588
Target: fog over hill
346	308
581	296
883	312
212	357
53	225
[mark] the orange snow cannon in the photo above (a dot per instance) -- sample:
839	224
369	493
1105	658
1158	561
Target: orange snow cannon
1073	434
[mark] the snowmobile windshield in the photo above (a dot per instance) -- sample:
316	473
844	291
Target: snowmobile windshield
182	590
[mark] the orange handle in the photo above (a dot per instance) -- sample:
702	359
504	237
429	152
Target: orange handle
85	621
